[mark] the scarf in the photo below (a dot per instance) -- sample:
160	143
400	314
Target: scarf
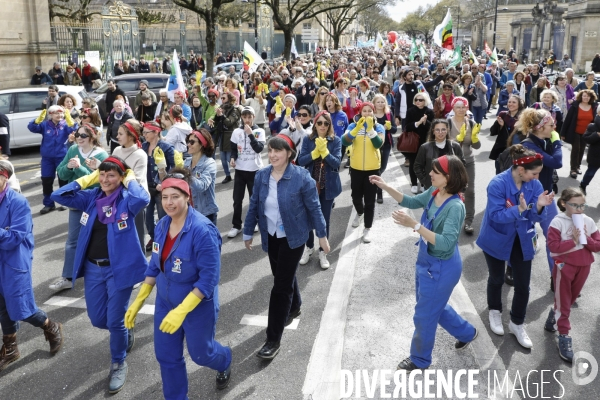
106	206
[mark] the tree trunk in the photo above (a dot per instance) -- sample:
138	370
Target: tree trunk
211	39
336	40
288	31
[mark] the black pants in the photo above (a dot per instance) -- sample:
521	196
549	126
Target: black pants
521	271
113	146
285	295
411	157
362	189
48	187
242	180
577	150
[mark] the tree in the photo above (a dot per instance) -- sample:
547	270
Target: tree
235	13
152	17
423	20
338	20
377	20
70	11
209	11
289	13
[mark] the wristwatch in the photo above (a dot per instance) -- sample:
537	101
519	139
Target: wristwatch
417	227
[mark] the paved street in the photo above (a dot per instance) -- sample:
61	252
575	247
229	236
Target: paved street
367	296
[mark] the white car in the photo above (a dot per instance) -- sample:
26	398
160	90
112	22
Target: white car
21	105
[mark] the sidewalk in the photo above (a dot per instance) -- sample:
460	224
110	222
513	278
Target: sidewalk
367	323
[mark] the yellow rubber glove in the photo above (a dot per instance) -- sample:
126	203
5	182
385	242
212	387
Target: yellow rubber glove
242	91
322	75
129	176
315	153
278	101
370	123
288	112
68	118
462	133
159	158
178	158
328	62
475	133
198	77
322	146
88	180
388	125
358	127
173	320
137	304
554	137
318	67
278	110
41	118
265	87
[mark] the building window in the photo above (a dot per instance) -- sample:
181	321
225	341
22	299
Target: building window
306	25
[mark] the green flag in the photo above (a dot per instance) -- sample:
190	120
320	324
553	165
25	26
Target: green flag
456	58
413	50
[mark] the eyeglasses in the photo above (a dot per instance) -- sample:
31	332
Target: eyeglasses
577	206
419	99
85	116
163	97
191	142
302	114
323	93
325	123
82	135
176	176
211	95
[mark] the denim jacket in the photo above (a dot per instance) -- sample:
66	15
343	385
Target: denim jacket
502	220
333	184
152	171
203	184
298	205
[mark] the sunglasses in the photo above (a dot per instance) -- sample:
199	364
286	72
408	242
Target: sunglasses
419	99
302	114
85	116
577	206
191	142
176	176
211	95
82	135
321	123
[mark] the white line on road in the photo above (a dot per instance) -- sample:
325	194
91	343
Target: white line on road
263	320
79	302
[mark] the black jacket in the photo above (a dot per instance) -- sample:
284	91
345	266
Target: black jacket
414	114
306	99
592	137
146	114
429	152
570	122
144	68
110	97
596	65
114	124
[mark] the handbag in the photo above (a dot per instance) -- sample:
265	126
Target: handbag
408	142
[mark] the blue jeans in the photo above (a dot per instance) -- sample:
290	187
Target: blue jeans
478	114
155	201
326	206
106	307
225	157
552	211
71	245
213	218
589	174
9	326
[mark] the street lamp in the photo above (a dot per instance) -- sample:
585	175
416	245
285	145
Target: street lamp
255	22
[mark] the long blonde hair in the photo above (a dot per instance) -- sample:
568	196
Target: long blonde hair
386	109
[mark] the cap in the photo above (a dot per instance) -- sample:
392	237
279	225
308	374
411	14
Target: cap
291	97
145	82
38	68
248	110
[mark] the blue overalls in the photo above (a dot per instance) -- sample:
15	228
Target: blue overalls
435	280
194	262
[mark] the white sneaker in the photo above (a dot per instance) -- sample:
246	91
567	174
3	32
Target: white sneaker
61	284
233	232
496	322
421	188
357	220
306	255
521	335
323	260
366	238
256	229
414	189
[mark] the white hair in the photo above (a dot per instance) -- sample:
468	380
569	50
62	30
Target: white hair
54	109
118	102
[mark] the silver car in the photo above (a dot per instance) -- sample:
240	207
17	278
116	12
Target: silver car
21	105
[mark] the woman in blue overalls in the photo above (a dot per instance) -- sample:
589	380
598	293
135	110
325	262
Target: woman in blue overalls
108	253
186	267
439	265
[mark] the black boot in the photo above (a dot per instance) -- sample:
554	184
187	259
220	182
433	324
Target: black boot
508	278
53	334
379	196
9	351
583	186
47	186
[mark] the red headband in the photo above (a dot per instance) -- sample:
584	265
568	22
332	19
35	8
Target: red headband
367	104
115	161
131	129
528	159
319	115
151	127
288	140
88	125
201	138
461	99
4	173
176	183
443	160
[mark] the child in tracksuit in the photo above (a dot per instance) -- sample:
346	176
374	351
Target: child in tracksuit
572	263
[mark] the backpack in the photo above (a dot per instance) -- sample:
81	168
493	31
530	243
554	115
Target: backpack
504	161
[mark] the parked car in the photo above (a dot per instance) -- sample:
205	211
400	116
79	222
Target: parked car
21	105
239	67
130	85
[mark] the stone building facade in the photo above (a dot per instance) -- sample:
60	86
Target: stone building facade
24	41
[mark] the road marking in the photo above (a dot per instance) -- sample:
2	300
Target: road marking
263	320
79	302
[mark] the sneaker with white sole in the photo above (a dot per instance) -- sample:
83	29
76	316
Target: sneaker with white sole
421	188
495	317
357	220
414	189
61	284
256	229
323	260
366	238
306	255
233	232
565	347
520	334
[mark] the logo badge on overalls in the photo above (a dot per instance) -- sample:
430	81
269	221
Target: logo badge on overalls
176	266
107	210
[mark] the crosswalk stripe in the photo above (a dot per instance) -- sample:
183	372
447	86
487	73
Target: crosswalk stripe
263	320
79	302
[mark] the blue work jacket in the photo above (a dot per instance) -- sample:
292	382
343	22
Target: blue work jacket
54	137
552	153
298	201
202	184
194	260
127	260
16	256
333	183
501	221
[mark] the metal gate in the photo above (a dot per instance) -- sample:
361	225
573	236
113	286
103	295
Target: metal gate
558	40
527	32
120	34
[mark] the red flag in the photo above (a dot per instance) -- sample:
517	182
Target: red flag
488	51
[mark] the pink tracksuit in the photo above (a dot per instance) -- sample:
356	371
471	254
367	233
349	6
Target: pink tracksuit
572	264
